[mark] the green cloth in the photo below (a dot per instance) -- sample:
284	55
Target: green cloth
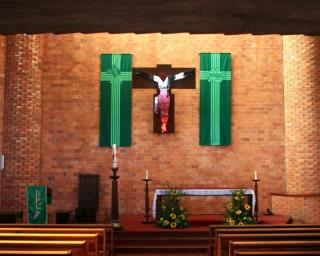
215	92
115	100
37	204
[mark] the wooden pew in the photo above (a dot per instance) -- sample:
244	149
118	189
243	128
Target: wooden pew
99	231
266	237
262	230
275	253
35	252
274	247
91	239
108	231
213	228
78	248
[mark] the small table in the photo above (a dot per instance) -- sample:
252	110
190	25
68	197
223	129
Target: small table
202	192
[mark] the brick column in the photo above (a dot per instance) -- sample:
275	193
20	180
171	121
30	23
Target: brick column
2	72
301	65
22	118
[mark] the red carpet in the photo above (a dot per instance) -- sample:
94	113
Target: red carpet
133	222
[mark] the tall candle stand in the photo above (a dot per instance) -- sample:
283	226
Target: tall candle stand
257	199
115	200
146	205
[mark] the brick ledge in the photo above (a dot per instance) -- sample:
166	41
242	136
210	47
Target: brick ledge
296	195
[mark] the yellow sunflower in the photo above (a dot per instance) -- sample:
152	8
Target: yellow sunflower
247	207
173	225
238	212
173	216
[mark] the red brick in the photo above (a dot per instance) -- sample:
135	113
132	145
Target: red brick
71	119
301	65
69	123
2	75
22	118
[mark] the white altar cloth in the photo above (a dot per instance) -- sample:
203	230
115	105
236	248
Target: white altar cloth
201	192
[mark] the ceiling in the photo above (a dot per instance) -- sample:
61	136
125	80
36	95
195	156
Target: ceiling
148	16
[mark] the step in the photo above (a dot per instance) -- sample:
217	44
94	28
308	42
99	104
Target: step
162	233
160	237
163	241
162	254
169	248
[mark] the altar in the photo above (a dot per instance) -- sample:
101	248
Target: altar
202	192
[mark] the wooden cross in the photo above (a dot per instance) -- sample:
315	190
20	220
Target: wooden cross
142	82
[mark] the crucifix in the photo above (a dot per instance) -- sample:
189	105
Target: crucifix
164	78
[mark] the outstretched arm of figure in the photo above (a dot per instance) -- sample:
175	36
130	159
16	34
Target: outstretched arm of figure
144	74
183	75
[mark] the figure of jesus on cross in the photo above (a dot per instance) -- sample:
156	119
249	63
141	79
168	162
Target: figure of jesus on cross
162	99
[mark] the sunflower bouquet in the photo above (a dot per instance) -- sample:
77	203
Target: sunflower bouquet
238	211
172	213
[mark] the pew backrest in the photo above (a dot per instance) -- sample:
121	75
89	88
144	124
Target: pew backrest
226	238
36	252
78	248
213	228
261	230
108	228
100	231
272	246
276	253
91	239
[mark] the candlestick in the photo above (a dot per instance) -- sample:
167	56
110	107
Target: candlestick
115	220
114	156
147	175
146	205
257	198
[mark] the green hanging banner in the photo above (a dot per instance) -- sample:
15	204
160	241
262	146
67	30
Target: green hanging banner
115	100
215	94
37	204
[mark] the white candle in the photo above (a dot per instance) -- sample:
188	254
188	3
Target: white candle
114	156
255	175
147	174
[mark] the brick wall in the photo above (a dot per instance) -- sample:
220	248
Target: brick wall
70	119
302	135
301	208
2	75
22	118
50	139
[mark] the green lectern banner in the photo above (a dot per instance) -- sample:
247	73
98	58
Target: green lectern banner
37	204
215	94
115	100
